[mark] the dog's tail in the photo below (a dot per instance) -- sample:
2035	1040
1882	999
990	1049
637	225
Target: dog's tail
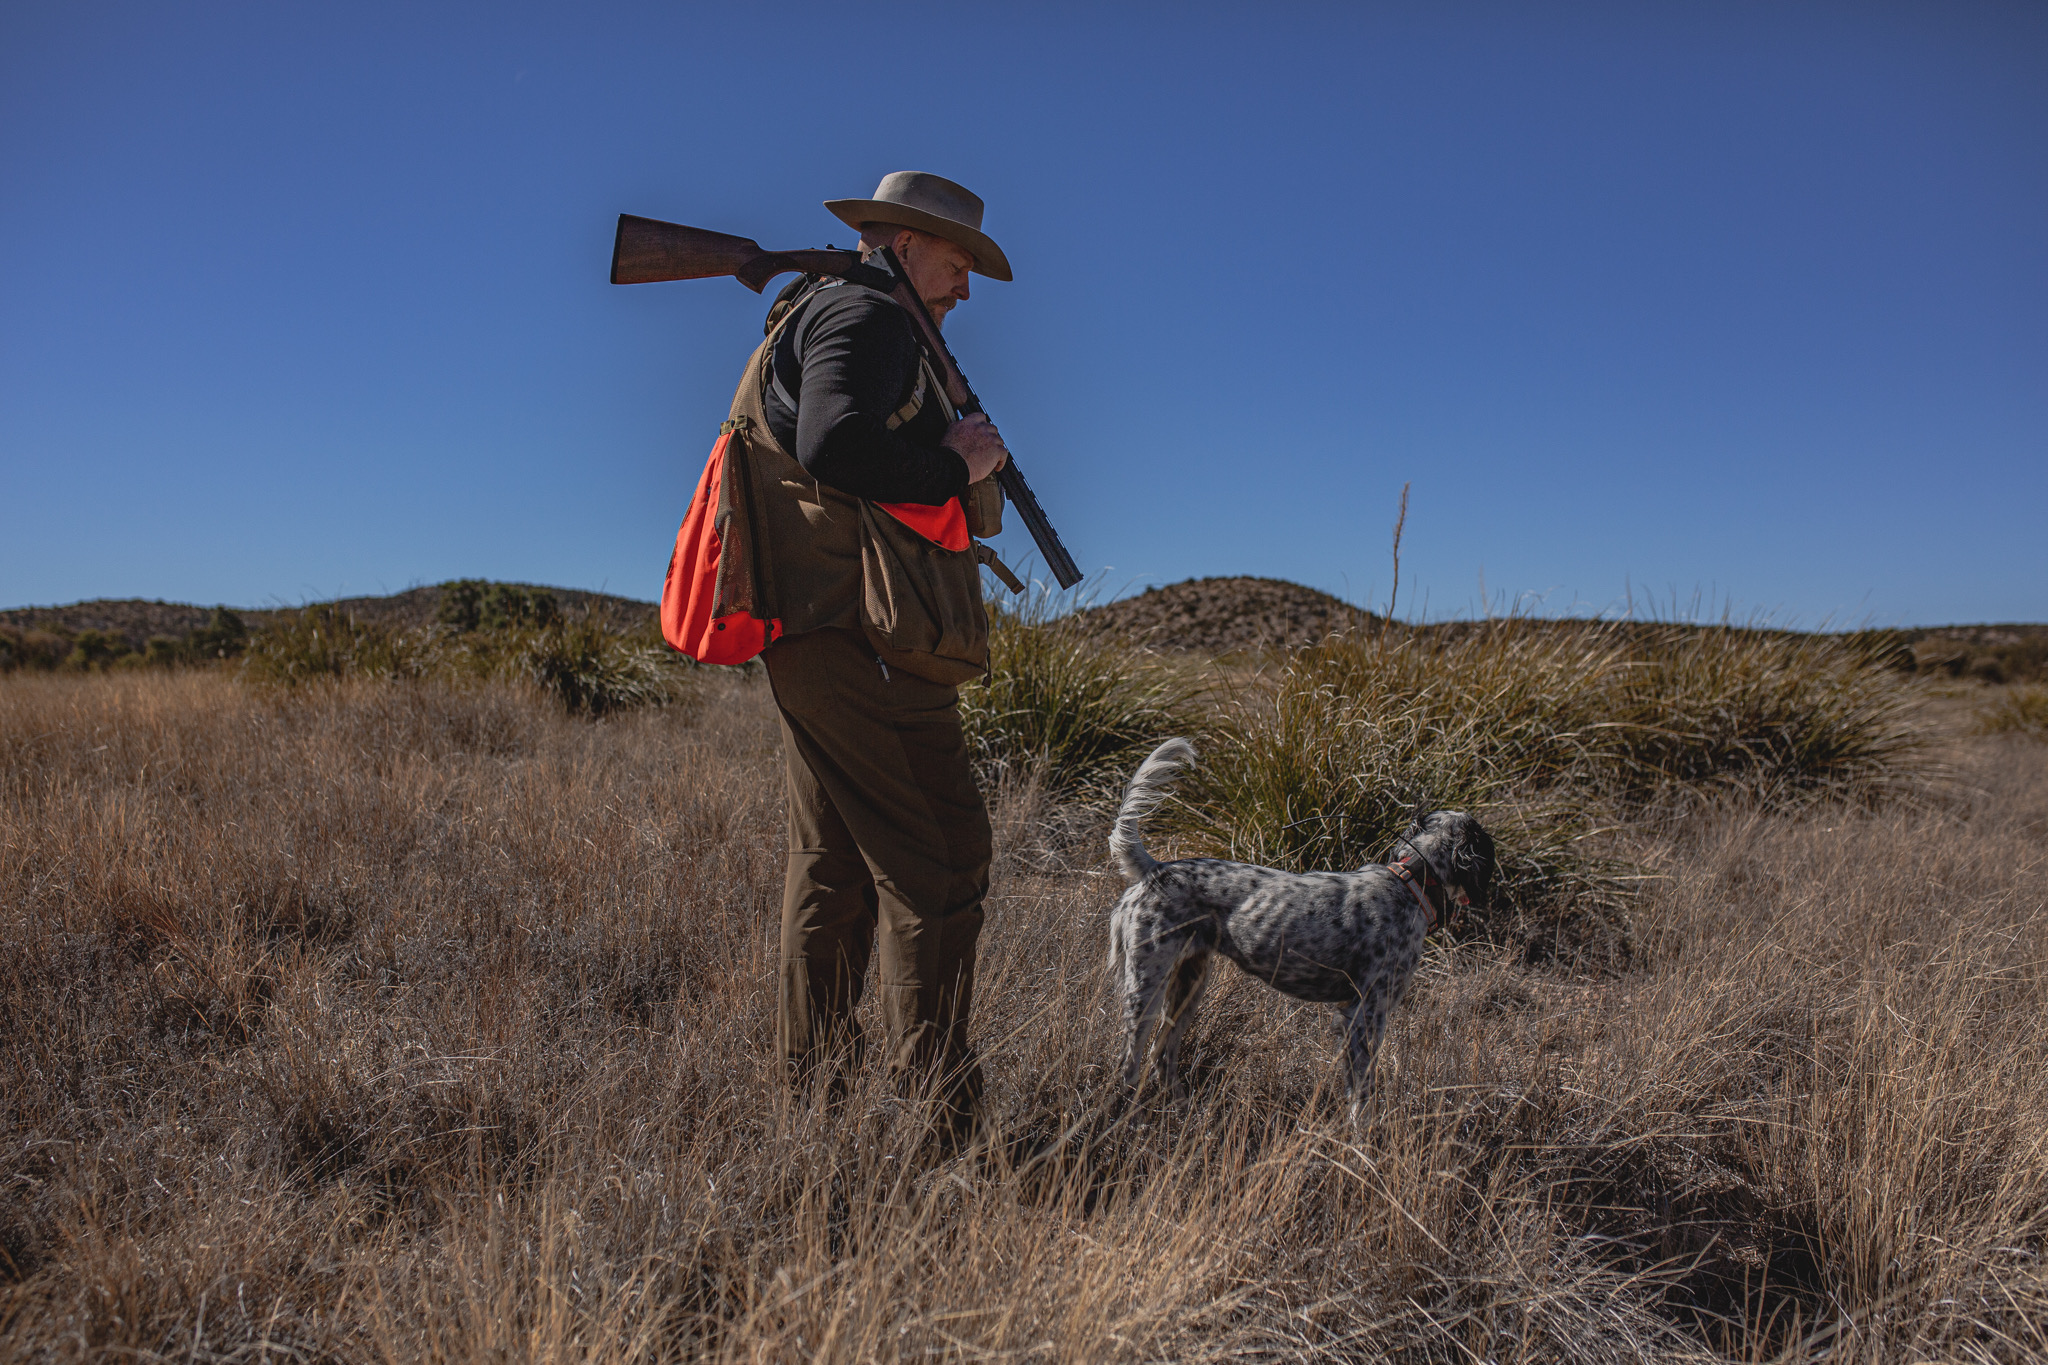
1141	798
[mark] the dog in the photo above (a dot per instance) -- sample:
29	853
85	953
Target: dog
1350	939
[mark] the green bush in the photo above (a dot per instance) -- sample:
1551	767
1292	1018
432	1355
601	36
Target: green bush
1323	763
224	636
473	604
1771	714
41	650
94	651
1068	707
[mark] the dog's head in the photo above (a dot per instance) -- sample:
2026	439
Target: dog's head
1459	849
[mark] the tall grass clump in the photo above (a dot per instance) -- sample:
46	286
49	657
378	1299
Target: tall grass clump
1322	764
2019	711
593	671
327	642
587	667
1069	707
1550	731
1781	717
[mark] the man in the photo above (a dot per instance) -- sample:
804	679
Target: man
888	835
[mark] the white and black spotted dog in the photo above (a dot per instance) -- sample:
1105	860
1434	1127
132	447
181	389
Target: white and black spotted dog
1349	939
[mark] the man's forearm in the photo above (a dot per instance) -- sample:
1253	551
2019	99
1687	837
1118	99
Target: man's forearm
861	456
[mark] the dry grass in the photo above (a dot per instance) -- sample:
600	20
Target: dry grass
2016	710
406	1021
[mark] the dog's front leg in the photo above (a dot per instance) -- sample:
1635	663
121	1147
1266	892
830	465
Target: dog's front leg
1364	1023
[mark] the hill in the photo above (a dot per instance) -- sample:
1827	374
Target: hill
1220	615
136	620
1201	615
1223	615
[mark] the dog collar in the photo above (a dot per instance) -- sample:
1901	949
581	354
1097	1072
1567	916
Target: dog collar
1404	868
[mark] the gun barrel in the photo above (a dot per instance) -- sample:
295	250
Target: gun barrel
1064	571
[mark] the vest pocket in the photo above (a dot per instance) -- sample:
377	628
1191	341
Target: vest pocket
920	602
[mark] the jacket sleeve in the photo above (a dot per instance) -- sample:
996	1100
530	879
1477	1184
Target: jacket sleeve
859	360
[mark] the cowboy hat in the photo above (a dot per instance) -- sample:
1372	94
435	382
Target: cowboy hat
929	203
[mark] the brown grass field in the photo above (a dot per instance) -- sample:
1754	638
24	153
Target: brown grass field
421	1022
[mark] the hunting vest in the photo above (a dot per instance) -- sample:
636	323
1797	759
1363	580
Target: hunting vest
799	555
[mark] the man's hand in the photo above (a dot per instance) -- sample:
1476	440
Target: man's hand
976	440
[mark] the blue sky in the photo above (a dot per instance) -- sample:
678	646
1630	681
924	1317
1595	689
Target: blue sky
1740	303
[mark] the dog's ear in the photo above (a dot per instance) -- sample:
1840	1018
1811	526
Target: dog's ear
1476	858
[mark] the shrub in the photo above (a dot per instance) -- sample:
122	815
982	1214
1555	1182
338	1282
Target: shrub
2021	710
1068	707
472	604
224	636
94	651
1323	764
591	670
327	642
31	649
165	651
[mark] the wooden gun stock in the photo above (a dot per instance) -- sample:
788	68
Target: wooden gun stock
648	250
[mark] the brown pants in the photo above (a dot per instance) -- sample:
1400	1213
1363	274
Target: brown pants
888	839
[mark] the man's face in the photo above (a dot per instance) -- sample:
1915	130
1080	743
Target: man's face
938	270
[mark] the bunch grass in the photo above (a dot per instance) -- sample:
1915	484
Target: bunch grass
1070	709
586	666
2019	710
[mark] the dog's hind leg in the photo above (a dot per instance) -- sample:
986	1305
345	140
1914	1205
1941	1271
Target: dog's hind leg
1365	1023
1145	968
1183	992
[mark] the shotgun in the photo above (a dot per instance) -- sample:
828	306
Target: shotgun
647	250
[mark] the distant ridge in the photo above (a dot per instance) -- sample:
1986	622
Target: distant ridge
136	619
1225	615
1200	615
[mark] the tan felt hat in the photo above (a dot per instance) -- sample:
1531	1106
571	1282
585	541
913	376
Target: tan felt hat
930	203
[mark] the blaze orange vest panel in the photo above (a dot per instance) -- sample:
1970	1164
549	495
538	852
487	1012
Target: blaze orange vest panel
689	597
944	525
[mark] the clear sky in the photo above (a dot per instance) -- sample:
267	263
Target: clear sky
1743	302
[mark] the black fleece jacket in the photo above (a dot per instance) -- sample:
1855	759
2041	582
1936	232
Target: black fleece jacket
849	358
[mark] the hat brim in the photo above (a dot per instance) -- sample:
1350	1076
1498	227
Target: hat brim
989	259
